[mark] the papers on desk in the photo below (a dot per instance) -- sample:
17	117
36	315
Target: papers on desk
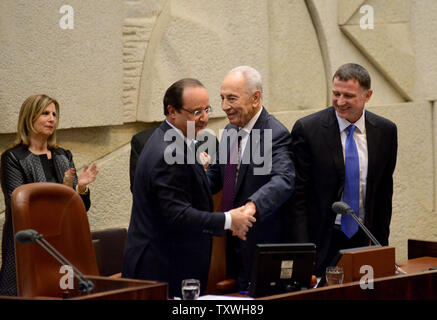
318	280
217	297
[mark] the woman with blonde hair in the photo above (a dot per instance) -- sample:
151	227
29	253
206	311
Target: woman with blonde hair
35	157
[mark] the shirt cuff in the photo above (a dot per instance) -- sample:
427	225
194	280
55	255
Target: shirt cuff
228	220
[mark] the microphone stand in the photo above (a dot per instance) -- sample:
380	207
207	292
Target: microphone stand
363	227
85	284
369	234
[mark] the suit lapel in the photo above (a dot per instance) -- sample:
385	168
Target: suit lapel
332	138
200	173
373	141
250	146
196	167
333	141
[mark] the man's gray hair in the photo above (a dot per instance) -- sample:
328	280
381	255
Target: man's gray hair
252	77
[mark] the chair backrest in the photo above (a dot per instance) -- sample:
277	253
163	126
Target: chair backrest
58	213
109	246
421	248
218	283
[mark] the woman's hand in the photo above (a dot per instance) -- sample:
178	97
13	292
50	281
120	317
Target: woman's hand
87	176
68	178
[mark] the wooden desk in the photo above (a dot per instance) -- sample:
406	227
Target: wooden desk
421	286
112	289
418	265
419	283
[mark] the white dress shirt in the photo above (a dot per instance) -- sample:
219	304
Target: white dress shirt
244	138
361	142
247	128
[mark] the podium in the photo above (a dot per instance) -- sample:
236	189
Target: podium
380	259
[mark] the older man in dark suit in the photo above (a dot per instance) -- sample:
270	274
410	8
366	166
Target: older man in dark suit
344	153
262	177
171	227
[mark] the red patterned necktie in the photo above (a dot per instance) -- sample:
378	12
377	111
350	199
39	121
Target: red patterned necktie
230	176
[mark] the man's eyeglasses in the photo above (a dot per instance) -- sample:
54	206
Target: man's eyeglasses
208	110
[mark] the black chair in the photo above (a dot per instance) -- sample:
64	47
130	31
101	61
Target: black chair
421	248
109	248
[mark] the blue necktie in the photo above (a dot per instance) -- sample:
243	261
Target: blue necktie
351	193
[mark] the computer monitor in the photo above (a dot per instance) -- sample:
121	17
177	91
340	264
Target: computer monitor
281	268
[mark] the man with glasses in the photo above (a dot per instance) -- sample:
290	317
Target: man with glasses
263	192
139	140
172	223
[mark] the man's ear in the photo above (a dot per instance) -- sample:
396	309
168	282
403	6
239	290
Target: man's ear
368	94
171	110
256	97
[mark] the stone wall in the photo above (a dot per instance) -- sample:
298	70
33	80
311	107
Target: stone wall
110	70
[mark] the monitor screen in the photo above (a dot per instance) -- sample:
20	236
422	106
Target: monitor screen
281	268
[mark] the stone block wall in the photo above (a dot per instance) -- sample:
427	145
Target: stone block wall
109	73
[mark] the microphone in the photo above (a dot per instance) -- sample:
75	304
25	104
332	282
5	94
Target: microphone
343	208
25	236
30	235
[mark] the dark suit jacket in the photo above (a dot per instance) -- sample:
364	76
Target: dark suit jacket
137	144
269	192
171	227
139	140
318	156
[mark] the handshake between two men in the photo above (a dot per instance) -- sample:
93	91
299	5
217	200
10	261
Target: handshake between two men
243	216
242	219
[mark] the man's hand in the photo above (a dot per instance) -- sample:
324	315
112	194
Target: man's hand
205	159
242	219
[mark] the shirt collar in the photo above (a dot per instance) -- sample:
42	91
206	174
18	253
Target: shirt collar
360	123
248	127
188	141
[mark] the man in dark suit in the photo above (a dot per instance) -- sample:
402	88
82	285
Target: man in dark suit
171	227
137	144
324	161
139	140
263	186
